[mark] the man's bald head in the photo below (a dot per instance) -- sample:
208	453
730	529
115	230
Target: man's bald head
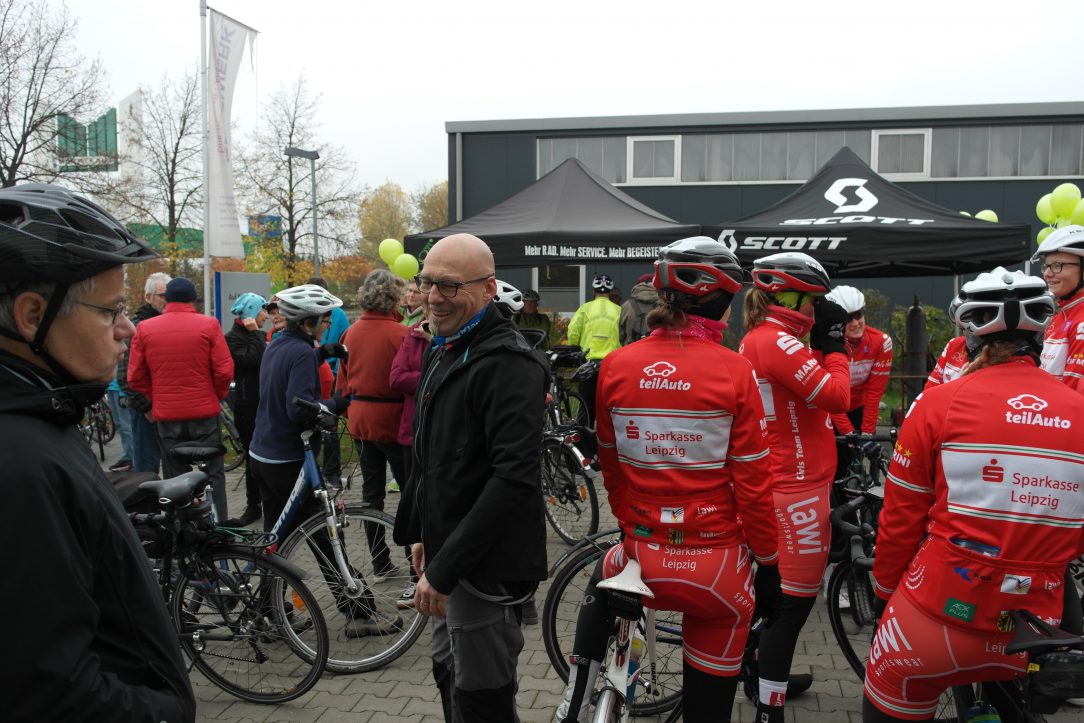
466	253
467	262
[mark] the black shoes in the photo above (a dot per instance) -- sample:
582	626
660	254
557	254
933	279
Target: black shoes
251	514
124	465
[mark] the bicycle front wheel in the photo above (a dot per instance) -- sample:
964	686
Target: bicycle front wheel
378	623
559	616
249	625
850	611
235	451
571	500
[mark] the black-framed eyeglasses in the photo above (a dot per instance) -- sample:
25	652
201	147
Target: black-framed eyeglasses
447	289
113	311
856	315
1056	266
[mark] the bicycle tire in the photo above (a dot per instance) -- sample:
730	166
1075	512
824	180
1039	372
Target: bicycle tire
230	611
107	426
569	494
559	615
389	640
231	440
574	410
852	627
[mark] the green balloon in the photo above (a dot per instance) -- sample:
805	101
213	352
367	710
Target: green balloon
965	213
406	266
1061	222
389	250
1045	211
987	215
1077	217
1043	233
1064	199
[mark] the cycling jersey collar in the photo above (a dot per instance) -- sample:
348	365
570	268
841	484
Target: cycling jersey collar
466	329
793	322
698	327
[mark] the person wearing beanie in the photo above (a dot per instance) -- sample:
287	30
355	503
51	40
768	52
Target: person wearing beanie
633	321
246	342
180	362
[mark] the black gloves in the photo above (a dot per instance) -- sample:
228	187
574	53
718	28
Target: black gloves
338	403
769	591
830	320
327	351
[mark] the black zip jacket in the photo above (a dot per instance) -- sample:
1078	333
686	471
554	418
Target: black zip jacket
474	497
85	627
136	400
246	348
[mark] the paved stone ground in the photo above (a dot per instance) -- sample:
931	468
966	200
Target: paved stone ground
404	690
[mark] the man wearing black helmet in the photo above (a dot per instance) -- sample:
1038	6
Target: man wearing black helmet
92	635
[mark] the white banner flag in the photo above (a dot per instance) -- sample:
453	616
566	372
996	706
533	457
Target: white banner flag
227	47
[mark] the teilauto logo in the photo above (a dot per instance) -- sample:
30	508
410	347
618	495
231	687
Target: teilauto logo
866	199
656	377
1030	411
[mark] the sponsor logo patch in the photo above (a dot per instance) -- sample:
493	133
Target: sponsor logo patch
675	537
1016	584
672	515
660	369
959	609
1004	622
642	531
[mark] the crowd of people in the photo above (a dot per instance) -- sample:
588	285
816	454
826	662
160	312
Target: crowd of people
728	460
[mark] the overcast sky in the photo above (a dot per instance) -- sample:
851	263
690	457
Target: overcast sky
391	74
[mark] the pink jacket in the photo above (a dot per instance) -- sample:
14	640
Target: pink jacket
406	372
181	363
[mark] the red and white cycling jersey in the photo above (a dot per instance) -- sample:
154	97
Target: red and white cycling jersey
990	469
682	442
799	393
870	364
1063	346
950	364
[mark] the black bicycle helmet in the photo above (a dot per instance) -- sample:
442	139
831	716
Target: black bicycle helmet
697	266
790	271
47	233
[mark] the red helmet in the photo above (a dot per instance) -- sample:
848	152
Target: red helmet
698	266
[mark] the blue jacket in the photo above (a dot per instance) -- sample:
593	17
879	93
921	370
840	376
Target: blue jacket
290	368
339	324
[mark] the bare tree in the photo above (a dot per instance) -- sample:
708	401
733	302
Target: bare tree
41	75
161	176
271	183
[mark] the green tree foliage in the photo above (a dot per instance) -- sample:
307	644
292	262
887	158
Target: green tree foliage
431	207
385	212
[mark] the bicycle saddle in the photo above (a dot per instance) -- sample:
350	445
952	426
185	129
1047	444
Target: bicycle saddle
1036	636
196	453
628	580
177	490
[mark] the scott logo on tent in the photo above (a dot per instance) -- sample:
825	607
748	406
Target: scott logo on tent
866	199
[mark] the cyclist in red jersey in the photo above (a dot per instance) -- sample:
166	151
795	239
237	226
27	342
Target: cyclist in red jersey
1063	349
684	455
870	352
799	393
983	507
951	364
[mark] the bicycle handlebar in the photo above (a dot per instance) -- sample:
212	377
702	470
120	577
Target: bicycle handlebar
838	514
314	406
890	436
146	518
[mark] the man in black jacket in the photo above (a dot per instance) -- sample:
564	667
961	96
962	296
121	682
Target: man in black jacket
87	633
146	454
247	341
473	508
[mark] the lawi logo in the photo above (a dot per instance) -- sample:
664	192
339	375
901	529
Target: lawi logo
866	199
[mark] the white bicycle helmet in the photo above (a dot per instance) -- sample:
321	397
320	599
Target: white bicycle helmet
790	271
307	300
509	295
698	266
850	298
1067	239
602	282
1003	304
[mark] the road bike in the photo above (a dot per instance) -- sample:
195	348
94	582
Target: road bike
231	440
563	405
359	586
98	426
570	495
243	616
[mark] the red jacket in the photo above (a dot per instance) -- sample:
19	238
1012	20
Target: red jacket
375	408
995	460
682	444
951	363
1063	348
870	365
406	372
180	361
799	394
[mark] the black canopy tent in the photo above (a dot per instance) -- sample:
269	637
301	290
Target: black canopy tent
860	225
568	216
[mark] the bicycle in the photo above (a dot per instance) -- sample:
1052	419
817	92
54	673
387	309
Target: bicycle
570	496
98	426
231	439
563	405
347	566
244	617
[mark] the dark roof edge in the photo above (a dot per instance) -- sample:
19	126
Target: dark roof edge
902	114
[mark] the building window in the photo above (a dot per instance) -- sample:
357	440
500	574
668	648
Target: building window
605	156
654	159
1008	151
902	153
764	157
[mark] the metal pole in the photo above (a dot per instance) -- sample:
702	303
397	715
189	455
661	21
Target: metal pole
315	237
206	163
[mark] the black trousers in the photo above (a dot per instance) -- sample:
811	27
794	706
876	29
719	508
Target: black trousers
374	458
244	418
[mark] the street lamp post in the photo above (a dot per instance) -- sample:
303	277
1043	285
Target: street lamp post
292	152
